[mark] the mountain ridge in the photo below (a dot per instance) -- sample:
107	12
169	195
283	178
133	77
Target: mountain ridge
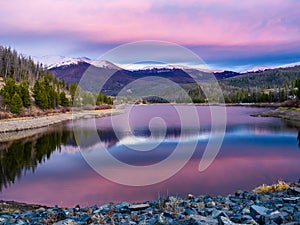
53	61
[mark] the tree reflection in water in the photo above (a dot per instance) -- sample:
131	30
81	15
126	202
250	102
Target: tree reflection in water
24	155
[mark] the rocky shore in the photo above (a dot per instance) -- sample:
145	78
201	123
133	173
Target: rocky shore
20	128
241	208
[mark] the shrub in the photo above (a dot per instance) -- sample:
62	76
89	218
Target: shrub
280	186
291	103
4	115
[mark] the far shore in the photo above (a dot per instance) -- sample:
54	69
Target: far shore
18	128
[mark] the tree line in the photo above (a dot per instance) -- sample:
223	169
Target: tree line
279	86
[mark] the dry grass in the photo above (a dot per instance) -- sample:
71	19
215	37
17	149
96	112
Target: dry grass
280	186
289	108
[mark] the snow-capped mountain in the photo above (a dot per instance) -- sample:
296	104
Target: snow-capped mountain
57	61
263	68
289	65
257	69
146	66
103	64
134	67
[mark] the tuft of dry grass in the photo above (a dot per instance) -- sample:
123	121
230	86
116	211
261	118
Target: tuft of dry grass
280	186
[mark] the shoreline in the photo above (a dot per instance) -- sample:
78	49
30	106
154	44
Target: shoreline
242	207
24	127
25	123
15	129
291	116
258	105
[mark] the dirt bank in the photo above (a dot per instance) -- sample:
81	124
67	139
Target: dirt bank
15	129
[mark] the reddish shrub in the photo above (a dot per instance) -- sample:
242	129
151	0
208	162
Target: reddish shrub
291	103
101	107
5	115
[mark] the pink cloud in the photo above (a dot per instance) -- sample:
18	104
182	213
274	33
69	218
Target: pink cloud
192	22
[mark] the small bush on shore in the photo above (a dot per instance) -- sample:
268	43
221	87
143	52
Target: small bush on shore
104	106
291	103
280	186
5	115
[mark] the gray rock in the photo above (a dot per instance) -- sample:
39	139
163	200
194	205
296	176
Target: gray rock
246	210
85	218
225	221
253	197
105	208
259	214
201	220
215	214
293	191
239	218
169	215
296	216
65	222
97	211
60	215
293	200
189	211
122	205
138	207
210	204
256	210
246	219
278	217
239	193
288	208
21	222
3	220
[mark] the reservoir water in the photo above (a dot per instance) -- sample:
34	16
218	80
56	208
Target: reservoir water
50	168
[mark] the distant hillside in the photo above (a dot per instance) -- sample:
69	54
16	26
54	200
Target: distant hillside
119	78
270	85
268	78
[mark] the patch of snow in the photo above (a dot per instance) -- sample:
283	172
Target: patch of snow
263	68
103	64
139	66
58	61
289	65
257	69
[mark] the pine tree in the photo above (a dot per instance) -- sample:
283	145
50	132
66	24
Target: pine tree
64	101
40	95
8	90
24	94
16	104
73	89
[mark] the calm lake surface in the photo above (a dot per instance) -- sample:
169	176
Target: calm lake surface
50	169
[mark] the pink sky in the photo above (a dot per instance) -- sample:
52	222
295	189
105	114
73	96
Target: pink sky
72	27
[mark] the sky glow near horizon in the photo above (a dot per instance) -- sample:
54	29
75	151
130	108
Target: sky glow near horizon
229	34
